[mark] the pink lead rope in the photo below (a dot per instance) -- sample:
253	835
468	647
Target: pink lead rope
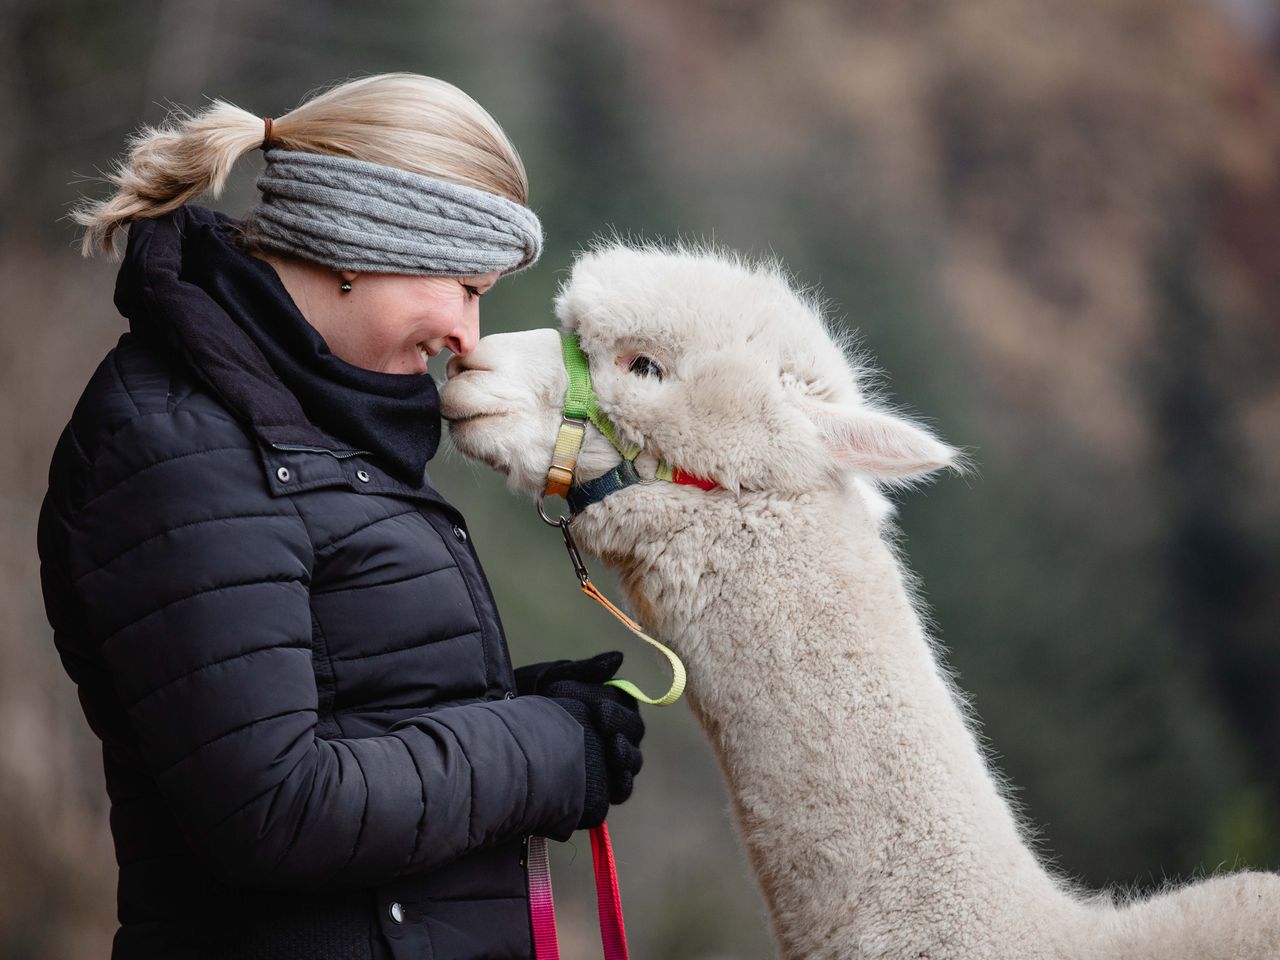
542	907
613	935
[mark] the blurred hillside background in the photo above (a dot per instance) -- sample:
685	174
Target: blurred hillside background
1056	224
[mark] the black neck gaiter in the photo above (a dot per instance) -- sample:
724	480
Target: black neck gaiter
214	295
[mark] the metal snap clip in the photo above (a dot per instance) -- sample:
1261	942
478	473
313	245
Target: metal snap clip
283	474
362	476
396	912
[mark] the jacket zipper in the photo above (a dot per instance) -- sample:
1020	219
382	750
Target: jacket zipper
303	448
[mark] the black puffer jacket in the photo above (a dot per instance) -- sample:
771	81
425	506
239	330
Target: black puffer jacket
292	659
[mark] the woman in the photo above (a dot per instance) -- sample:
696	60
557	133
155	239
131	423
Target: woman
279	629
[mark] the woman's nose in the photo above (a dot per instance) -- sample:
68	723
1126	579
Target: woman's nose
465	335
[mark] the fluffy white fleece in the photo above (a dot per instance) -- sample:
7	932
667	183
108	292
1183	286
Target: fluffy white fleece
873	821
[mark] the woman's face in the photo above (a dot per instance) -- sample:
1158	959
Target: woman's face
392	323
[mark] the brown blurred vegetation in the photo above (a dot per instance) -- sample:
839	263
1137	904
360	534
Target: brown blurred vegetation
1056	224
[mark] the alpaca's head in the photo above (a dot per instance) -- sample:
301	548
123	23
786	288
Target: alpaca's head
719	367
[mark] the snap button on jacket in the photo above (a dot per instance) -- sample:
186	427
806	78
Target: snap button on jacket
294	664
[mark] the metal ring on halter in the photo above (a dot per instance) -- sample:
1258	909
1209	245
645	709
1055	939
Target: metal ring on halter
543	514
655	478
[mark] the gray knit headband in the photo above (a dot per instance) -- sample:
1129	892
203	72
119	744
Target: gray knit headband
355	215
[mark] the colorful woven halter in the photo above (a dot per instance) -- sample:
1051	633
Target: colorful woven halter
581	408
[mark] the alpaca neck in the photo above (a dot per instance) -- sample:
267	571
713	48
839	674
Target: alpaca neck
862	796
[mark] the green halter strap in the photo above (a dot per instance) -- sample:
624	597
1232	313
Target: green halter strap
581	408
580	401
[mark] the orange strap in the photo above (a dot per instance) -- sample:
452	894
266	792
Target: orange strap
678	678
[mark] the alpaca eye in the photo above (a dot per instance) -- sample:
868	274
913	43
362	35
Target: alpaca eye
645	367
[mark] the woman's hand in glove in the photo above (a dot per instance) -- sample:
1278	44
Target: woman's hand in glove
610	720
529	678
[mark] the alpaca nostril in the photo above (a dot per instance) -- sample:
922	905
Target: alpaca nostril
453	367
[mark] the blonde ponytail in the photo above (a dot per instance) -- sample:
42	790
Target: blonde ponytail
167	165
405	120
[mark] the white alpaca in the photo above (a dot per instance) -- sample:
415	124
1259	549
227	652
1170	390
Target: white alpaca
871	818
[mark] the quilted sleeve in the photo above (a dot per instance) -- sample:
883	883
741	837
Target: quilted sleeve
194	582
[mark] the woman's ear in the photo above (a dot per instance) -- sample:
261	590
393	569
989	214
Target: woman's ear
877	443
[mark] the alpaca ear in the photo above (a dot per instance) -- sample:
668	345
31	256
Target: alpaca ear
878	443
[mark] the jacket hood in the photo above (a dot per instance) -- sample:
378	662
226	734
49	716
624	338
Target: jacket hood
186	281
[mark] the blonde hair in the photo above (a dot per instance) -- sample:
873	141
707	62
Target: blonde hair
406	120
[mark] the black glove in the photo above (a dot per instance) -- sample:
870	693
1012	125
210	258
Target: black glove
528	678
610	720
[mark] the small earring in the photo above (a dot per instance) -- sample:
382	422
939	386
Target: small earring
346	286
